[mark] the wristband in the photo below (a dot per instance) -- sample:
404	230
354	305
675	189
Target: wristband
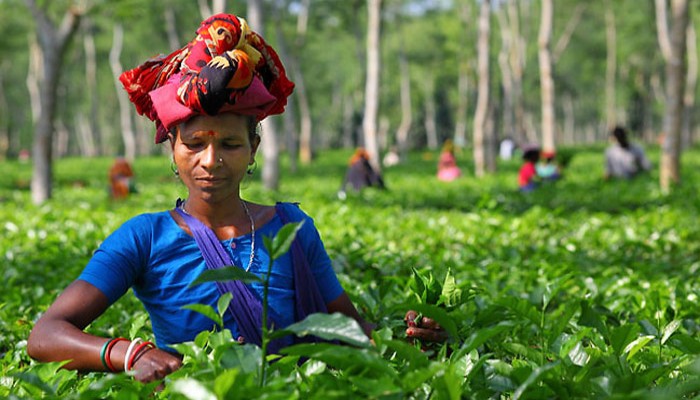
136	352
108	352
128	352
103	352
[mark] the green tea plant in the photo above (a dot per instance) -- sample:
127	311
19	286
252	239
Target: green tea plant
583	289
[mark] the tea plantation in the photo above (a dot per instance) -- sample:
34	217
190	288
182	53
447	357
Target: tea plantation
582	289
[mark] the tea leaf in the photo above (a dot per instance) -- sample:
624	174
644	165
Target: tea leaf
334	326
669	330
634	346
284	239
205	310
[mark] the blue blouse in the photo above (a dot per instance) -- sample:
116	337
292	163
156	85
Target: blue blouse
158	259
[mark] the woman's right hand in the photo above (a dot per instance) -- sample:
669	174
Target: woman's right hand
155	364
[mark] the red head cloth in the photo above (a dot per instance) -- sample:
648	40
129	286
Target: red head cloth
226	68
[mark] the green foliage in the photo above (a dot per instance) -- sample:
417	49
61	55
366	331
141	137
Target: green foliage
438	38
582	289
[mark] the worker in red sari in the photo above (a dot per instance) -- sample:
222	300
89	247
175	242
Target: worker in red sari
120	179
527	176
447	164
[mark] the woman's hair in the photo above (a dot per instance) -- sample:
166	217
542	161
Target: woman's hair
448	146
621	136
532	155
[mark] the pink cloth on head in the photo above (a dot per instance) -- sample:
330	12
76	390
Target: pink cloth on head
256	100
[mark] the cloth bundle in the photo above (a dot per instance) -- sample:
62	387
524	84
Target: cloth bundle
226	68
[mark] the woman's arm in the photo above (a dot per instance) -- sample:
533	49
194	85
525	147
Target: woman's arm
343	305
58	336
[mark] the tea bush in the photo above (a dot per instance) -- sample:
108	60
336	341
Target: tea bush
582	289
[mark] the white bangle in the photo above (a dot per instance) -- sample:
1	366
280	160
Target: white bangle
132	345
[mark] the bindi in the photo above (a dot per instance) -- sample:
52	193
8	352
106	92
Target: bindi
211	133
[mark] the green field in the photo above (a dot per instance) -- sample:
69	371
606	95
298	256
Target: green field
583	289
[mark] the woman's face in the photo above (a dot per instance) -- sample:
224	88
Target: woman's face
212	154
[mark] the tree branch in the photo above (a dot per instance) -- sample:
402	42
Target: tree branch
69	24
568	32
662	29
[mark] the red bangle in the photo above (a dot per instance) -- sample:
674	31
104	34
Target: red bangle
111	344
137	350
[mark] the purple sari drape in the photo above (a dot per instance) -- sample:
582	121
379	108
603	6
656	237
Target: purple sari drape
245	307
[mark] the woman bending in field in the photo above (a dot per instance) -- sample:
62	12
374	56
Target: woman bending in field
623	159
206	100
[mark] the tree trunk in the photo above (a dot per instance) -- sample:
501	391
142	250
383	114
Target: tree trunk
406	110
171	28
348	128
86	142
369	122
218	6
124	105
517	65
5	118
60	138
491	139
690	86
93	135
306	123
482	101
430	111
611	66
383	133
34	78
569	120
546	82
568	32
675	81
53	42
662	29
289	121
270	150
508	111
460	133
305	126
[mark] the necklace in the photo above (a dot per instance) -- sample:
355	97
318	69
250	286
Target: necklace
252	230
252	234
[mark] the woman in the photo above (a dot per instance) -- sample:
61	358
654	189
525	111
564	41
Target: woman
206	100
527	175
120	179
447	164
622	158
360	173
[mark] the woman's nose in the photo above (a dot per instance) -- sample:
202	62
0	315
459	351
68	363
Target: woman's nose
210	156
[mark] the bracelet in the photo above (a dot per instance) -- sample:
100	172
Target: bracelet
128	352
108	358
136	352
104	353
